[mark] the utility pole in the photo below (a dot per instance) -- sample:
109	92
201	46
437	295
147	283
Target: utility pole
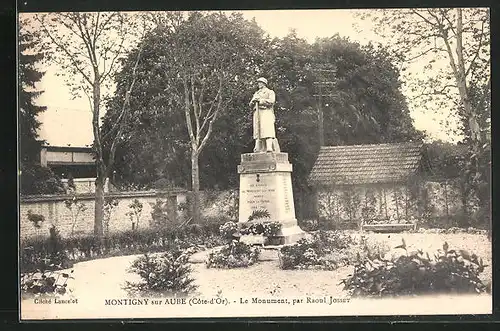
320	85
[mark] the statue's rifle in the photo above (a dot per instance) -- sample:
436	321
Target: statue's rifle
257	109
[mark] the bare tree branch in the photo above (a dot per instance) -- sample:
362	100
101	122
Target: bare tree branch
195	109
209	115
214	117
123	112
113	60
425	19
65	50
187	111
477	50
87	39
443	14
424	53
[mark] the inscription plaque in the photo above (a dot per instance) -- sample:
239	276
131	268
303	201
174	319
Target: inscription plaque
266	184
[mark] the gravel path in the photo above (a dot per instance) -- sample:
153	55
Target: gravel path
106	277
266	278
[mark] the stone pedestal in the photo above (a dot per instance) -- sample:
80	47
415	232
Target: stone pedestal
266	184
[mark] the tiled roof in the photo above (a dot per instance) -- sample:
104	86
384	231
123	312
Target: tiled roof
361	164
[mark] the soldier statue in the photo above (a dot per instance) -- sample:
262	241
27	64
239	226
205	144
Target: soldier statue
263	118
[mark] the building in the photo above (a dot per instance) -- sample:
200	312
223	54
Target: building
79	161
369	182
75	162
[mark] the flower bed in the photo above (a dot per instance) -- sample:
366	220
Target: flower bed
56	252
233	255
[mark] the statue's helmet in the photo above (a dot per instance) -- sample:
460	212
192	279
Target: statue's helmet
262	80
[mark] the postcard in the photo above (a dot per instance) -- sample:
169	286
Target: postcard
263	163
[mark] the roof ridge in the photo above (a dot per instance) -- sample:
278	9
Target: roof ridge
381	144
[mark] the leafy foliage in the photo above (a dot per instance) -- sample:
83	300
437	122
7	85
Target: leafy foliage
87	48
157	143
304	254
453	43
36	179
44	283
309	225
417	273
214	75
135	213
267	229
324	250
30	55
44	253
228	229
258	214
233	255
163	274
109	205
35	219
55	252
76	207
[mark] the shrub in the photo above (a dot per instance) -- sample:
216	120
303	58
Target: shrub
40	253
76	208
163	274
228	229
417	273
36	179
35	219
304	254
326	250
46	282
332	240
109	205
233	255
135	213
366	248
309	225
57	256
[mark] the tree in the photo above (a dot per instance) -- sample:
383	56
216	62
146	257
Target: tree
158	144
88	47
197	70
29	75
454	43
367	105
35	179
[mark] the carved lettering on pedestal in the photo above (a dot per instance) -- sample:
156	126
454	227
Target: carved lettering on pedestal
286	191
257	195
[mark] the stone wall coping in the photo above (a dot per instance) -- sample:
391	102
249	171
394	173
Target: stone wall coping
79	180
90	196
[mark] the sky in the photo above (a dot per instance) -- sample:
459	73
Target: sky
68	121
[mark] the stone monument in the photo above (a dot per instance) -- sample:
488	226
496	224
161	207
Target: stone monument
265	174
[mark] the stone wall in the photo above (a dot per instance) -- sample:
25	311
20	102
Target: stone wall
389	201
53	208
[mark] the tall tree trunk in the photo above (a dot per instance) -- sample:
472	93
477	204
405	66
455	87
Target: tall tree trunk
101	168
99	207
195	181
